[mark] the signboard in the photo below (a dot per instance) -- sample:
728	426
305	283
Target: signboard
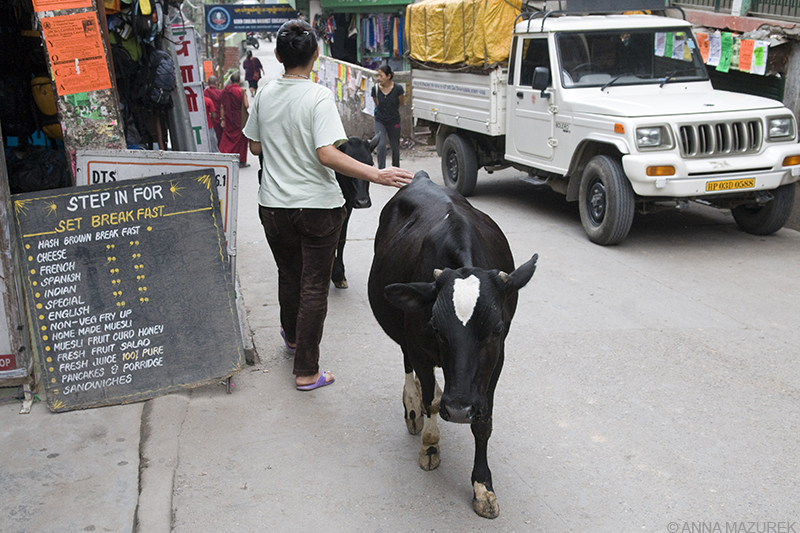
128	289
599	6
8	362
192	77
77	57
233	18
52	5
109	166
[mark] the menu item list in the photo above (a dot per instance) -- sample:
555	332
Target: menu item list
128	289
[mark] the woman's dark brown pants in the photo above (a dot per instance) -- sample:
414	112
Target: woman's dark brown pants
303	243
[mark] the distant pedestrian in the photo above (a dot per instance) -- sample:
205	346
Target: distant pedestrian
213	92
233	106
253	71
296	124
211	110
388	97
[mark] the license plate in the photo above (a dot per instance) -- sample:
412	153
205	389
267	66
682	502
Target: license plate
730	185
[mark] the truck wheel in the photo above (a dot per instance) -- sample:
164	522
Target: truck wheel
768	218
459	164
606	201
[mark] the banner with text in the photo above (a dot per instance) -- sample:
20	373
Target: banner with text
233	18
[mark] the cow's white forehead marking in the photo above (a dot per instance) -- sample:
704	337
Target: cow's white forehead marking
465	297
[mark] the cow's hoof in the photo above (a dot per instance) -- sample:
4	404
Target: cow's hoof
484	502
415	425
340	284
429	458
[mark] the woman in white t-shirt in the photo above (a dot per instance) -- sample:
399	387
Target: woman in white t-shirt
294	123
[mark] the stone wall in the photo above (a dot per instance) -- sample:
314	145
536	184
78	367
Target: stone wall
351	95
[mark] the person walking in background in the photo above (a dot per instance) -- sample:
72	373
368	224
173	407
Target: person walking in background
213	92
388	97
295	124
233	106
252	71
211	112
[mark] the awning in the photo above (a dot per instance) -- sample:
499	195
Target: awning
363	6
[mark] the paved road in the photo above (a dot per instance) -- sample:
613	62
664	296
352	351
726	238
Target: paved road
647	383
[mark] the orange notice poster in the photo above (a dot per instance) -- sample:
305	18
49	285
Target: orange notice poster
208	69
703	44
54	5
77	57
746	47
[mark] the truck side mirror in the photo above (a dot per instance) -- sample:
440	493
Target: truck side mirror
541	80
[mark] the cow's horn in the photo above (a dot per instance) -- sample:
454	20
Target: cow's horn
436	273
503	276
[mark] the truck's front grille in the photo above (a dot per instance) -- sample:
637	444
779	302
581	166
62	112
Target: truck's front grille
721	138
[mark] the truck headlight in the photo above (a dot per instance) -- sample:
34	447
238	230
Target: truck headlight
779	128
651	137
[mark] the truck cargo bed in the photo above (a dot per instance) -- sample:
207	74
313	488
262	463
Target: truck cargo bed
470	101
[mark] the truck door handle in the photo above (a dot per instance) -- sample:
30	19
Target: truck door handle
519	95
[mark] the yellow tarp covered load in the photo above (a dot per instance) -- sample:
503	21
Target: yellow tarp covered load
451	32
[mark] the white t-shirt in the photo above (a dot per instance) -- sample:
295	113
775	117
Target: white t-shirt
291	118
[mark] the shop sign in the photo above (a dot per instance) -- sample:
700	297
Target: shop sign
362	5
233	18
192	78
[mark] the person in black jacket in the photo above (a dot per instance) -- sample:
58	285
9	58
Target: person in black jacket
388	97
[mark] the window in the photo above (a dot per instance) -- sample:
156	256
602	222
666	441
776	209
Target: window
534	54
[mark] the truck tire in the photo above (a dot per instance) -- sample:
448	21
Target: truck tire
768	218
459	164
606	201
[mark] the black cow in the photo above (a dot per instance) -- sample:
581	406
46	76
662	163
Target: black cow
356	196
438	287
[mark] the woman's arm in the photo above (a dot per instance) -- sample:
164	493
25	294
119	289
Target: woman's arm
255	147
333	158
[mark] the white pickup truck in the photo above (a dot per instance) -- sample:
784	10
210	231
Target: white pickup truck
598	109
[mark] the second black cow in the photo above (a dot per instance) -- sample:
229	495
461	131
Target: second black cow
356	196
443	286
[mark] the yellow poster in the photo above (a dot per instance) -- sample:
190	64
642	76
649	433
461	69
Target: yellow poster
77	58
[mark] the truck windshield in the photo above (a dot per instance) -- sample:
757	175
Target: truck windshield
629	57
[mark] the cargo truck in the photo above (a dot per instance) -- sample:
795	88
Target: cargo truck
616	111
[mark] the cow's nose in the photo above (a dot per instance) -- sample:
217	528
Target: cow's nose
458	414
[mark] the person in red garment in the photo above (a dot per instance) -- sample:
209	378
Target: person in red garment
232	104
213	92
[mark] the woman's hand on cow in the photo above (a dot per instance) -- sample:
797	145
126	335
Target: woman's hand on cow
394	177
331	157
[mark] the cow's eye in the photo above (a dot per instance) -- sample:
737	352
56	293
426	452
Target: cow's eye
498	329
432	325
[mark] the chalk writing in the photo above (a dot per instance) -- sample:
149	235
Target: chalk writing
129	290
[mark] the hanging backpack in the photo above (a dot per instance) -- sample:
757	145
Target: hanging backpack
160	79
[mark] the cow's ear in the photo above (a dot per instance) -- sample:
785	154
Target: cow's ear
410	296
521	276
373	143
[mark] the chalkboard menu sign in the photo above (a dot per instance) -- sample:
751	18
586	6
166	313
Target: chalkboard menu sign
129	292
